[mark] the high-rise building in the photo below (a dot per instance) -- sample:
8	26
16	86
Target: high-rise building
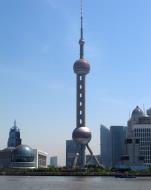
81	134
14	136
138	142
118	135
54	161
105	146
70	152
112	145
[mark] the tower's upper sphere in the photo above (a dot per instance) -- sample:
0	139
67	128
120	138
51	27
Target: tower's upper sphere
82	135
81	66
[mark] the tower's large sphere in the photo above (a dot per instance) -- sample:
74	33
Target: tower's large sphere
82	135
81	66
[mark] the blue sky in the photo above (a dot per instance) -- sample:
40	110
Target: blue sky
38	47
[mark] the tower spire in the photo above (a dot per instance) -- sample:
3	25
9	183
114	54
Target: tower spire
81	41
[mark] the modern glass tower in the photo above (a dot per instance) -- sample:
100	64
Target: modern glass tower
14	136
118	135
105	146
81	134
70	152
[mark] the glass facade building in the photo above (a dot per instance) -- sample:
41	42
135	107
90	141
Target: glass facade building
17	155
118	135
23	156
105	146
70	152
112	145
23	153
14	136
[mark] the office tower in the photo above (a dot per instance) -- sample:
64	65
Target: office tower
138	142
118	135
70	152
54	161
81	134
105	146
14	136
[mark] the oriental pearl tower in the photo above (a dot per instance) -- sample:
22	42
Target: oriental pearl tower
81	134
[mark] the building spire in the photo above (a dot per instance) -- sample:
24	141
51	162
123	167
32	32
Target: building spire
81	41
15	123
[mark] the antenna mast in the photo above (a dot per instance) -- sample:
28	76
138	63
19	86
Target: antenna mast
81	41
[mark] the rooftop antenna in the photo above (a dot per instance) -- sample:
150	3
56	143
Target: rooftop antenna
15	123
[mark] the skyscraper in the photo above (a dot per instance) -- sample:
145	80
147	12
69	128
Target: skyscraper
118	135
112	145
81	134
105	146
70	152
14	136
138	142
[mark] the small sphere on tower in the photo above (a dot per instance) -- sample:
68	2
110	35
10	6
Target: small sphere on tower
81	66
82	135
81	42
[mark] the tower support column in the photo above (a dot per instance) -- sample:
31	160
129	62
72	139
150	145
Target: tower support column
80	120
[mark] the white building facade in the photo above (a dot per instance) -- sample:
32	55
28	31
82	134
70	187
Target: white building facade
40	158
143	133
138	141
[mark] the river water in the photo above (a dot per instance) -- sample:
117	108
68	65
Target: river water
73	183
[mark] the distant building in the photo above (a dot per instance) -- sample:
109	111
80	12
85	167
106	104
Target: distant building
17	155
40	158
14	136
111	145
70	152
105	146
54	161
6	157
22	156
92	161
118	135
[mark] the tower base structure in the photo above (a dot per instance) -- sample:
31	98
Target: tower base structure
80	161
